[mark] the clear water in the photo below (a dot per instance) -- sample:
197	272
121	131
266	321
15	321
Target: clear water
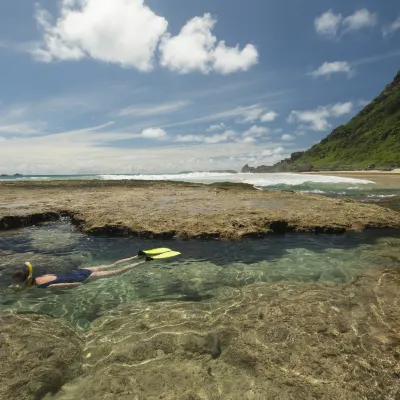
203	268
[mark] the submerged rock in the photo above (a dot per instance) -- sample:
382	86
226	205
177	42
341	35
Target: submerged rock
38	356
264	341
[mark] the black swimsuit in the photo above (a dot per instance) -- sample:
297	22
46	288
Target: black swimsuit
76	276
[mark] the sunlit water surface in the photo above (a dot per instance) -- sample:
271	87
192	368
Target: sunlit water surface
202	269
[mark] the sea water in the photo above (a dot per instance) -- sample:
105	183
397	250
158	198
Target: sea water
203	268
308	183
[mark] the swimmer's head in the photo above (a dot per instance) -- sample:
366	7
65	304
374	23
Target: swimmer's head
22	279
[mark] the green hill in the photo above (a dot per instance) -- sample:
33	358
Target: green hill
372	137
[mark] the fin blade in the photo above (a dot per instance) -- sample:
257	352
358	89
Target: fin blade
155	252
165	255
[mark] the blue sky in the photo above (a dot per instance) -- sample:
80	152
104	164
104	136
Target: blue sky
94	86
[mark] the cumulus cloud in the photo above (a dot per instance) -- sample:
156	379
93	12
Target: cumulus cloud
287	137
255	131
391	28
128	33
228	135
195	48
231	59
251	114
30	156
360	19
153	133
216	127
269	116
250	135
124	32
256	113
328	23
253	134
317	119
329	68
272	152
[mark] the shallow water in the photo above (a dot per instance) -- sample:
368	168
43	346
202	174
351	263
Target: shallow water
204	267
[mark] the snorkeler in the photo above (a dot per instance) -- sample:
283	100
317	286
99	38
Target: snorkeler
25	278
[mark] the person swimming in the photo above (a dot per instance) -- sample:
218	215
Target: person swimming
25	278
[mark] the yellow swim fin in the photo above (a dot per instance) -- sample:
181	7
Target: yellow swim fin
162	256
153	252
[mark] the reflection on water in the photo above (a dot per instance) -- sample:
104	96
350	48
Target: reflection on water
204	268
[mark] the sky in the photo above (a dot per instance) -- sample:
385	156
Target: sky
134	86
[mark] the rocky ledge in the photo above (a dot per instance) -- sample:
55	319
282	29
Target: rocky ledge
176	209
262	341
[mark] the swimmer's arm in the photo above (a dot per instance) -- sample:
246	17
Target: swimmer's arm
65	285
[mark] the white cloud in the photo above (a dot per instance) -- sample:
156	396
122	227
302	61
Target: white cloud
195	48
360	19
154	133
216	127
79	152
287	137
221	137
339	109
246	114
327	24
271	152
330	24
156	109
255	131
251	135
391	28
128	32
228	135
329	68
21	129
125	32
252	114
231	59
269	116
189	138
317	119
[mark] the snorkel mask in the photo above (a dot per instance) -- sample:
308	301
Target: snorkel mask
29	281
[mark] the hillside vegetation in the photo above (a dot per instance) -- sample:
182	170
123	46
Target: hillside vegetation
372	137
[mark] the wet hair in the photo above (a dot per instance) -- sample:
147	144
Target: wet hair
20	277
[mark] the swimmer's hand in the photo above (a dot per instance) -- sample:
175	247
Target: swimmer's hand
65	285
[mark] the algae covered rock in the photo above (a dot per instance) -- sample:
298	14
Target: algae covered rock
264	341
38	355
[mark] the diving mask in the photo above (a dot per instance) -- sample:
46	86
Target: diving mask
28	282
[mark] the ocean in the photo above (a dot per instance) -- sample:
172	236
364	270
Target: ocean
333	186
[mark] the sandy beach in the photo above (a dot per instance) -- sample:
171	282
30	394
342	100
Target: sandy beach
382	178
176	209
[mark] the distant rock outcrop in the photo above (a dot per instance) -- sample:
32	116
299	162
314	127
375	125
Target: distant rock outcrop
282	166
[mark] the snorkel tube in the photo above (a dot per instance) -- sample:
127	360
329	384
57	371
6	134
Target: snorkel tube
29	281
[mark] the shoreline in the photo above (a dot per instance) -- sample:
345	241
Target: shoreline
383	178
165	209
